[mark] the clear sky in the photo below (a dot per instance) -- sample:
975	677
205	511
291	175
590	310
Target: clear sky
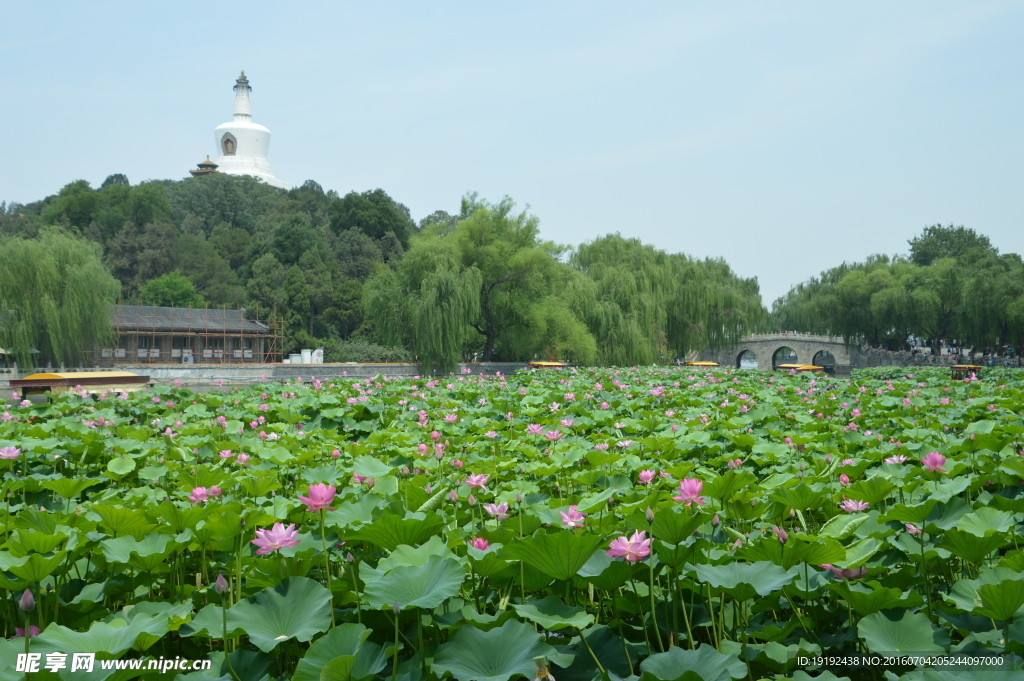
784	137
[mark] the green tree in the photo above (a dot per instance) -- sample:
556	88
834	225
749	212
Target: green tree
171	290
374	213
263	290
231	243
55	296
937	242
292	238
296	313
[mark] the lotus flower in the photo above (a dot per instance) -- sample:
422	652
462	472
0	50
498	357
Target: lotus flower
689	492
844	479
572	518
934	462
199	494
226	454
735	463
534	429
845	573
9	452
853	506
646	477
896	458
497	511
477	480
632	549
221	585
480	544
33	630
912	529
27	602
780	534
278	537
320	497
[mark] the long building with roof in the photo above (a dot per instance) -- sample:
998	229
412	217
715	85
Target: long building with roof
179	335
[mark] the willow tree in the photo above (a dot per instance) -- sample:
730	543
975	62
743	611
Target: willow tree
55	297
645	305
426	302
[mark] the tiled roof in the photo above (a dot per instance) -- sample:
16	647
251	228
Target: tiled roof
183	319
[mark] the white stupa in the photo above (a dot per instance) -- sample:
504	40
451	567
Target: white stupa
243	145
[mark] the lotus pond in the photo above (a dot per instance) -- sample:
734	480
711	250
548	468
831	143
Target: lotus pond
654	524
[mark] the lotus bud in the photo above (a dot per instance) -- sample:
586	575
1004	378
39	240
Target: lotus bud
649	514
221	586
715	520
792	513
369	482
428	489
349	558
27	602
519	497
395	608
453	496
471	500
780	533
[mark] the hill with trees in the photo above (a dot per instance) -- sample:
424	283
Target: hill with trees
357	275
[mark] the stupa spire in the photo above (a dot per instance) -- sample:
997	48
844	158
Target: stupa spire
243	109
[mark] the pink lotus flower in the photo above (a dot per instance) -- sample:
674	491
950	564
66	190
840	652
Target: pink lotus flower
567	423
646	477
278	537
477	480
451	418
553	435
853	505
572	518
242	459
358	479
199	494
497	511
896	458
226	454
912	529
33	630
491	434
534	429
633	549
689	491
480	544
215	491
934	462
457	464
9	452
845	573
320	497
735	463
844	479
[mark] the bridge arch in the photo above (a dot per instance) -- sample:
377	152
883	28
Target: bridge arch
784	355
747	359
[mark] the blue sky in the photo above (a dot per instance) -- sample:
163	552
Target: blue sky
784	137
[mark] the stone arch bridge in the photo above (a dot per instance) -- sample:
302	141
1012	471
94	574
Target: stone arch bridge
772	349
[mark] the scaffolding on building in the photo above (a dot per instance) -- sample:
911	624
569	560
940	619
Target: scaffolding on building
175	335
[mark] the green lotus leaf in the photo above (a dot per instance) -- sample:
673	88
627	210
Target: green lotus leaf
964	593
112	637
675	527
38	567
726	485
391	531
744	580
1001	601
296	608
146	555
495	655
916	513
338	669
794	552
559	554
121	521
873	490
342	640
801	497
985	520
704	663
38	542
867	601
605	572
409	556
69	488
371	467
552	614
971	547
425	586
121	466
844	525
902	631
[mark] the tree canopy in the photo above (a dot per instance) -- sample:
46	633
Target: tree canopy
55	297
953	286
